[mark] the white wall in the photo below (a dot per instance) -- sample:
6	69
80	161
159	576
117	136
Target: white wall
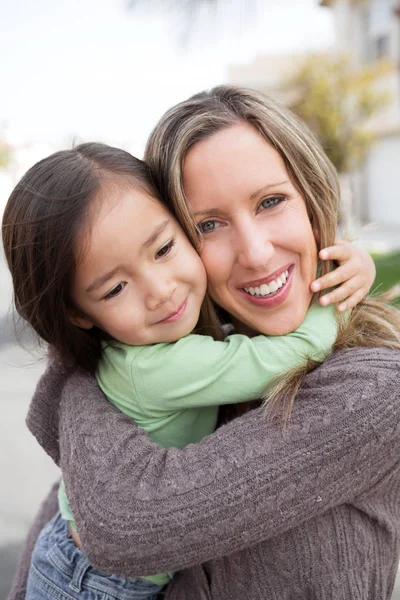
383	181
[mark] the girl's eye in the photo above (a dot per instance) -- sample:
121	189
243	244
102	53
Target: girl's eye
165	249
115	291
207	226
271	201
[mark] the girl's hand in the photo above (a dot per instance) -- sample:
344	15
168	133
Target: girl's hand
354	275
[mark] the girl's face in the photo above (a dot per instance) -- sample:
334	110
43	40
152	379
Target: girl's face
138	278
259	249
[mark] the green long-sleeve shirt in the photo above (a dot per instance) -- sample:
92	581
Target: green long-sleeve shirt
173	390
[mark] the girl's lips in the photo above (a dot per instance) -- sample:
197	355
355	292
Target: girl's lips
276	298
176	315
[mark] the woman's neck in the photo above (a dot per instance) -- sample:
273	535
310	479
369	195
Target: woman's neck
242	328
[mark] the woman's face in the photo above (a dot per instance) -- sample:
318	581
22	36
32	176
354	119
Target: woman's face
259	249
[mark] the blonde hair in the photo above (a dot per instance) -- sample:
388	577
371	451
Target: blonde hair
373	322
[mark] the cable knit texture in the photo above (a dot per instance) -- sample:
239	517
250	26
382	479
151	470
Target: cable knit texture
254	511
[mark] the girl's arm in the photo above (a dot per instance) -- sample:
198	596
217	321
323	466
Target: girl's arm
199	371
354	276
143	509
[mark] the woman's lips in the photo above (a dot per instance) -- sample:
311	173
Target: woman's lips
275	298
176	315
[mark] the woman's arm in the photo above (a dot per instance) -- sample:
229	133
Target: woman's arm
142	509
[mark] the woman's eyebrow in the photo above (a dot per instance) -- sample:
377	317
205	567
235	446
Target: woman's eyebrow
215	212
266	188
208	212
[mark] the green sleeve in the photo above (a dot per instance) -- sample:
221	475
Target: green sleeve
198	371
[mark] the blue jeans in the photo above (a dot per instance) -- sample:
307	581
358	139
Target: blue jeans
59	570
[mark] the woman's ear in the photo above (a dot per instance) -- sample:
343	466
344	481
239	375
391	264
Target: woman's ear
79	319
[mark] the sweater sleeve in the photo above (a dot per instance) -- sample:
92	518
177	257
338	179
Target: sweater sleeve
199	371
142	509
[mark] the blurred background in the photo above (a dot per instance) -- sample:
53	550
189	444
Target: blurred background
106	70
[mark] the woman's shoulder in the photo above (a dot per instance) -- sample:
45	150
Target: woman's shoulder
356	361
374	356
367	376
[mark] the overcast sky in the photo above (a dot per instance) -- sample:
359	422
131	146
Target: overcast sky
91	69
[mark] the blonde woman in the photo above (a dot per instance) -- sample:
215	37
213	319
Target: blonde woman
296	500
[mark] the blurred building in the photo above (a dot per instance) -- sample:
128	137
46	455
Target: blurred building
267	73
369	30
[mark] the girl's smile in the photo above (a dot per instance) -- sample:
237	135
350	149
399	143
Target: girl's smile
175	315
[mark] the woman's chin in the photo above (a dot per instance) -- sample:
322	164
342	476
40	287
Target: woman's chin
284	321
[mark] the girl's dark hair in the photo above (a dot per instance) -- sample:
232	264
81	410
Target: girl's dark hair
42	218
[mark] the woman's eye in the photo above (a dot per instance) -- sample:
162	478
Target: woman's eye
207	226
271	201
165	249
115	291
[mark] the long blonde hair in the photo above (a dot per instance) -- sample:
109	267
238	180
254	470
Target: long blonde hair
373	322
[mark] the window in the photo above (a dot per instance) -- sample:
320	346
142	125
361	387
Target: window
381	46
380	16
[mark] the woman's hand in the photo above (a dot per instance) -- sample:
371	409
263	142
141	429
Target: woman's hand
354	275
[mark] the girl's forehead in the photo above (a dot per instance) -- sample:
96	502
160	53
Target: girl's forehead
118	211
123	195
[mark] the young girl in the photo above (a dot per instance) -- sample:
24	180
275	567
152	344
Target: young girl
104	274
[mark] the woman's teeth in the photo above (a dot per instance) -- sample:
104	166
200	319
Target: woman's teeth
266	289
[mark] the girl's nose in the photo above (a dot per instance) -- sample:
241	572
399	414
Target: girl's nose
158	293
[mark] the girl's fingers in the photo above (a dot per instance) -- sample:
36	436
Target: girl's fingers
340	252
335	277
352	301
352	279
344	292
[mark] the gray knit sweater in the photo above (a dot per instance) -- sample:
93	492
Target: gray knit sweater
253	511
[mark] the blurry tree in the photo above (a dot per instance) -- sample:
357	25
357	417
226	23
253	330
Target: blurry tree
337	101
5	154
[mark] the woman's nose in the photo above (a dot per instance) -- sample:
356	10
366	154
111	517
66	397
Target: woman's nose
254	249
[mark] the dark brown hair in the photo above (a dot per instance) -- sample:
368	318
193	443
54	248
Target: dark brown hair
42	219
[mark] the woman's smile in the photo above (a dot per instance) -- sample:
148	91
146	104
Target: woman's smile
270	291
